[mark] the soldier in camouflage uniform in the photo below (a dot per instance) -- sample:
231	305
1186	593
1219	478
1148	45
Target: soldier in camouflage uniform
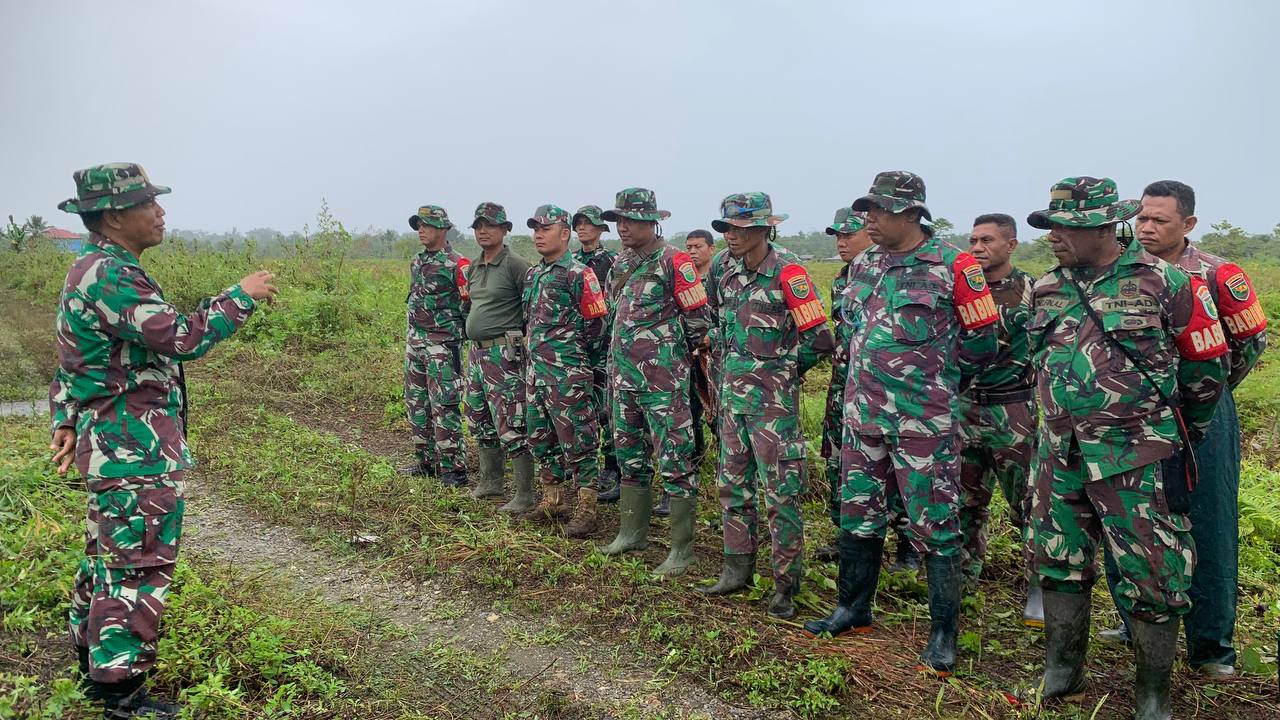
118	403
565	307
849	229
659	315
773	329
1166	218
922	322
589	227
1116	336
438	301
999	410
495	393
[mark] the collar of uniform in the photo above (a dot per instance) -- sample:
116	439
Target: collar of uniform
926	252
768	267
111	247
1014	274
562	261
502	255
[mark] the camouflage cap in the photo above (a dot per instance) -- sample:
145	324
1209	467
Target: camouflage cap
548	215
492	212
895	191
749	209
635	204
433	215
1084	202
847	221
113	186
592	215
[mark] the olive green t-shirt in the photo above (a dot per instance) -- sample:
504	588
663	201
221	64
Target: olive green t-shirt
496	288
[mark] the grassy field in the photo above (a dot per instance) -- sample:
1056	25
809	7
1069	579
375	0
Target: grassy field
299	420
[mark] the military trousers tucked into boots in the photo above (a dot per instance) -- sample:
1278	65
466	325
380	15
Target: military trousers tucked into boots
562	431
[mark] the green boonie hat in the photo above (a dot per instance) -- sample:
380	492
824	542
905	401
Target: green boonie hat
635	204
114	186
847	221
895	191
548	215
1084	202
592	215
492	212
749	209
433	215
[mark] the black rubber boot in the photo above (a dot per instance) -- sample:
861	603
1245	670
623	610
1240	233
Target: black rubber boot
945	580
855	588
454	479
610	481
736	573
1066	643
1154	647
828	553
663	508
422	465
87	685
129	699
907	557
783	605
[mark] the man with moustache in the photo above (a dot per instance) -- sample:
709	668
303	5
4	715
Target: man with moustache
565	307
999	410
660	316
495	394
773	329
1166	219
437	310
1127	351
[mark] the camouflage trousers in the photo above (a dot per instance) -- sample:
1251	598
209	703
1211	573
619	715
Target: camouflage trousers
763	458
432	397
924	475
1071	515
495	397
561	422
999	445
133	529
832	434
655	429
604	404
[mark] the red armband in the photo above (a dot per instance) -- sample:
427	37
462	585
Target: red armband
1238	303
463	288
806	309
974	305
592	305
690	295
1202	338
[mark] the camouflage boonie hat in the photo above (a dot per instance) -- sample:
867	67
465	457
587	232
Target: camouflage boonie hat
635	204
895	191
492	212
114	186
592	215
1084	202
433	215
750	209
548	215
847	221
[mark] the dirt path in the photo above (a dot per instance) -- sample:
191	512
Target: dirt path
594	671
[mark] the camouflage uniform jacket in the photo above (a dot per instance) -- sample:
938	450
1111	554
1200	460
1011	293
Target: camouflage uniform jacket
600	261
922	326
774	329
438	297
660	315
1011	369
1092	392
843	330
565	309
1243	319
120	349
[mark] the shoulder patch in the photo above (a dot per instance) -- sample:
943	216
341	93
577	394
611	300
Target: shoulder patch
690	294
592	305
1241	311
1202	338
975	307
806	309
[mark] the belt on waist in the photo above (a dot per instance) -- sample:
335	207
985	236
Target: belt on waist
500	340
1001	397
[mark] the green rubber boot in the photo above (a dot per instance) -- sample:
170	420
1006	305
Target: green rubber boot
683	512
633	508
491	466
1154	646
522	473
736	573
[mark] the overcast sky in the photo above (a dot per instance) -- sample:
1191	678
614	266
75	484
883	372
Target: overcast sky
253	111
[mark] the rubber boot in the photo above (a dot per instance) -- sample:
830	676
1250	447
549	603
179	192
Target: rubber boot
663	508
1118	635
683	512
783	605
87	685
908	558
1066	642
422	465
492	461
1154	647
522	478
585	518
610	481
828	553
633	510
736	573
1033	611
945	579
553	505
855	587
454	479
129	699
